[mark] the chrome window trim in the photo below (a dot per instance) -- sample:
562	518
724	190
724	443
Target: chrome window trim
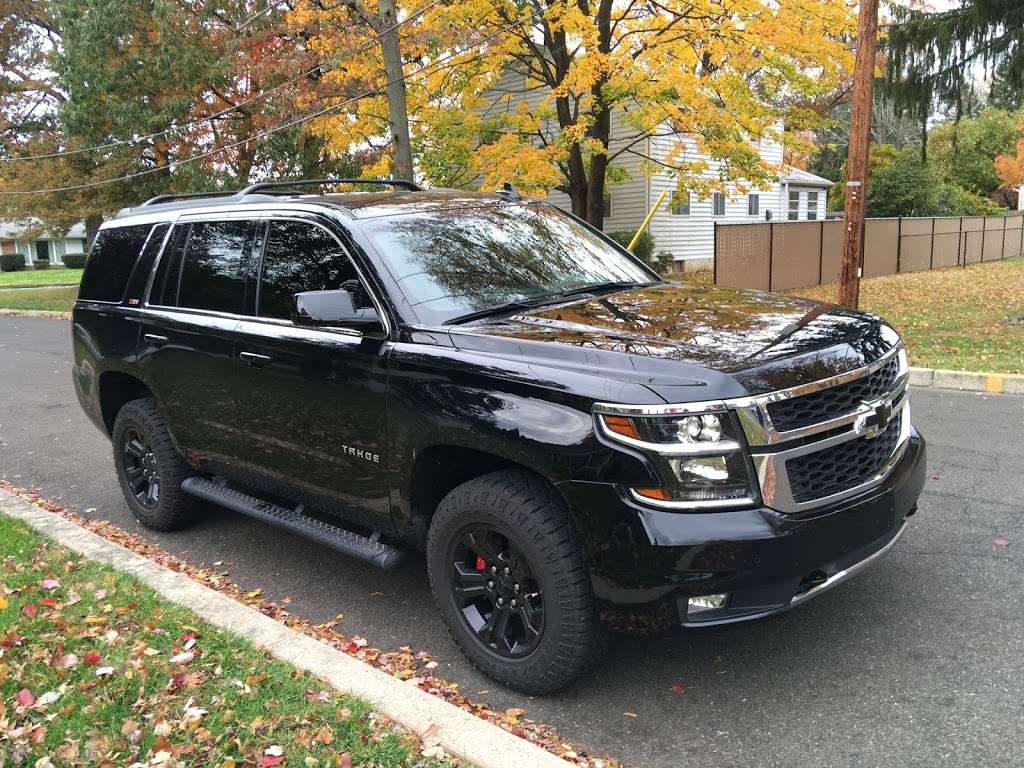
269	217
188	217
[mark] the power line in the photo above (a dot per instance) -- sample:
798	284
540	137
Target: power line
258	97
269	131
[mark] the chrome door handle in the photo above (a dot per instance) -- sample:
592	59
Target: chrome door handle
155	339
254	359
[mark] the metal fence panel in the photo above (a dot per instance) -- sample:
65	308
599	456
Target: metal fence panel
1014	241
880	247
748	263
796	258
974	237
785	255
831	250
992	248
946	245
915	245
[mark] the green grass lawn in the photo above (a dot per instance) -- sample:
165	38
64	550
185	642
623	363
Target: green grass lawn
961	318
96	669
56	299
29	277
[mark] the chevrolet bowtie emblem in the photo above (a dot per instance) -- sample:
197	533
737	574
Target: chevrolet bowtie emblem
874	422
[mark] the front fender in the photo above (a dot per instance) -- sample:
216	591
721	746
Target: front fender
539	419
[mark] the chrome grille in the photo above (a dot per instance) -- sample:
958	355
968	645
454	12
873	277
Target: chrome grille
825	404
841	467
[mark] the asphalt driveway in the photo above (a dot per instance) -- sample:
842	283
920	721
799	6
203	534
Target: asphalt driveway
917	662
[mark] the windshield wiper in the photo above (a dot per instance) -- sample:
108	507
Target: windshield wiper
549	298
611	285
509	306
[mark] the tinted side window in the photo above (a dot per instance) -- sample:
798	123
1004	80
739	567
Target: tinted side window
113	255
144	266
302	257
211	273
168	271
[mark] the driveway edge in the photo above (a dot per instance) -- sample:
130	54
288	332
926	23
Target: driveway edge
967	381
460	734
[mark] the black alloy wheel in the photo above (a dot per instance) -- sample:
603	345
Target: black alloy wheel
150	469
511	582
496	592
140	467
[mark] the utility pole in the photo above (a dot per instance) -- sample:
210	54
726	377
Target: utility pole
857	159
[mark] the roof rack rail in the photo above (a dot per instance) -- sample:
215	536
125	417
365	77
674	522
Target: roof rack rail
187	195
403	183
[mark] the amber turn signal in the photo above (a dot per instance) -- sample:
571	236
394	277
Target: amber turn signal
621	425
660	494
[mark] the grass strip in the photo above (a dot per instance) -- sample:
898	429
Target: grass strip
969	319
39	277
58	299
97	669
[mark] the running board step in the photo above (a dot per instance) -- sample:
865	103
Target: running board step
368	548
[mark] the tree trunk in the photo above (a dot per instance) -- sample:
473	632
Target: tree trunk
398	111
601	128
92	225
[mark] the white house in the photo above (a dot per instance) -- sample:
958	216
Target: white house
48	246
685	228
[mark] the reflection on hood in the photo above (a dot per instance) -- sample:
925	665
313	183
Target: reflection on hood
721	328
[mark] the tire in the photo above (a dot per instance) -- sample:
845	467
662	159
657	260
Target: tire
172	508
547	572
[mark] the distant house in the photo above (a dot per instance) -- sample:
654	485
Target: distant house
686	227
50	246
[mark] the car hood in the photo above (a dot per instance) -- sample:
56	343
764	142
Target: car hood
674	337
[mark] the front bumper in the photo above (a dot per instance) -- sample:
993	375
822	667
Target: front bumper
766	561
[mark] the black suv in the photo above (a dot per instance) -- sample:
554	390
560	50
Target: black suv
573	440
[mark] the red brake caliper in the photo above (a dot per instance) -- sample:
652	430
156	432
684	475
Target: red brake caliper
480	564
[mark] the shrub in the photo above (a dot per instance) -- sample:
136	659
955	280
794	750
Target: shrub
40	264
644	247
74	260
12	262
662	262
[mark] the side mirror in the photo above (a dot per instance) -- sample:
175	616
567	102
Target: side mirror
320	308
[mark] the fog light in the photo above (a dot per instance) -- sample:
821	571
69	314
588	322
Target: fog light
706	603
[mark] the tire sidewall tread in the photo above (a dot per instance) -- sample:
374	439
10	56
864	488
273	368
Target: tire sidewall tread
528	510
175	508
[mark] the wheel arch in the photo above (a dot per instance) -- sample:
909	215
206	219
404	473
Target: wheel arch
439	469
115	389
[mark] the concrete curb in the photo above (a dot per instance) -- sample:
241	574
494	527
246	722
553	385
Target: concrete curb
47	313
969	381
461	734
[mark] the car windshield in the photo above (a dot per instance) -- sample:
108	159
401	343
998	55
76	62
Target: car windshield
453	263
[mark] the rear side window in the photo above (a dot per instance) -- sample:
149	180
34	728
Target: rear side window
302	257
110	263
211	273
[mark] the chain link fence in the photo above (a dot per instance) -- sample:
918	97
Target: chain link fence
774	256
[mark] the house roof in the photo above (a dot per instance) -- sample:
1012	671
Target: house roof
13	230
804	178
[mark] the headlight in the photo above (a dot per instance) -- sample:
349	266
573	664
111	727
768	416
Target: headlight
692	433
699	457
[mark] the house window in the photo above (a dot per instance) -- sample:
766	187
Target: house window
794	205
681	203
607	200
753	204
718	204
812	206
